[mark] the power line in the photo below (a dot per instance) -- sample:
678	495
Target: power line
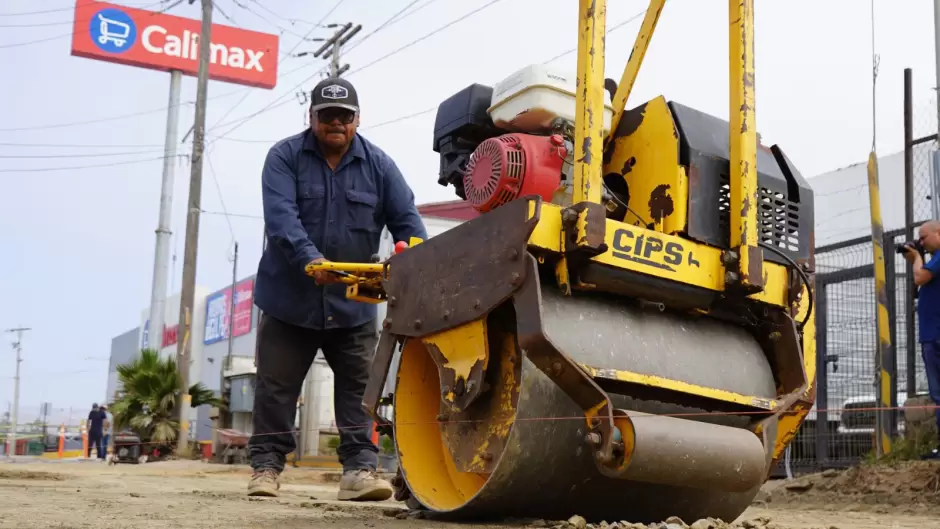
290	21
76	155
270	106
287	54
218	189
58	10
77	167
79	146
262	17
432	109
87	20
420	39
237	215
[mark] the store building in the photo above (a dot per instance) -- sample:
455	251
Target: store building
225	365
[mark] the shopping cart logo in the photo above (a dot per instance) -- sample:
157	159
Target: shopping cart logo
112	30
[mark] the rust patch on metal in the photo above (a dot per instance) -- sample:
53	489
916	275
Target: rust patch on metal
456	394
755	266
628	166
586	227
630	121
476	437
660	204
586	148
445	274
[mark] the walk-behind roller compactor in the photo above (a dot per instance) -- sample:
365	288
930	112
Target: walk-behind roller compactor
626	331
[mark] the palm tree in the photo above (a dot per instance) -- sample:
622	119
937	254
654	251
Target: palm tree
147	403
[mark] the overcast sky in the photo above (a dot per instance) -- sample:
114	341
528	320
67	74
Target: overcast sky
77	244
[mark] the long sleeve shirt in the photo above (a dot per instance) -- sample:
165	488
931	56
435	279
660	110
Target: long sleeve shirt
312	211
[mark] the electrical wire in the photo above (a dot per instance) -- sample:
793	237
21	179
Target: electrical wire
74	168
282	29
397	17
420	39
280	75
79	146
273	104
799	270
432	109
270	106
291	21
78	155
82	21
218	189
609	30
237	215
59	10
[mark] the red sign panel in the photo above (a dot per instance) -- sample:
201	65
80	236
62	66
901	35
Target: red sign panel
113	33
170	335
243	306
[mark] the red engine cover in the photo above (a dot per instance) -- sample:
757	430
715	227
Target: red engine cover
507	167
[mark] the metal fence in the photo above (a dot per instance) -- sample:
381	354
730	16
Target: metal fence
840	430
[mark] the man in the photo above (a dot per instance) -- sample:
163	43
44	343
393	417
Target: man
95	425
928	307
107	428
327	193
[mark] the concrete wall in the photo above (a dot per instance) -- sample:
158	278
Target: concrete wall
124	347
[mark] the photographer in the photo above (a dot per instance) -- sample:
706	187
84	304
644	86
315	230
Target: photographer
928	305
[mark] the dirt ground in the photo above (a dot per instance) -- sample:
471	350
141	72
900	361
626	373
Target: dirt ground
191	495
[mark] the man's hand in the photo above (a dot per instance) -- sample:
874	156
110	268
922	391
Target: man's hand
911	253
323	277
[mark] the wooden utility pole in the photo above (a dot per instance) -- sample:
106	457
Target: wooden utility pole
184	344
332	46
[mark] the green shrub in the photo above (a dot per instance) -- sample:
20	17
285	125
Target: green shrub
387	445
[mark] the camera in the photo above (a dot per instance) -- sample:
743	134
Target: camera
900	248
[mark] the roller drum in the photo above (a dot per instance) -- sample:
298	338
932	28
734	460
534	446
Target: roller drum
544	468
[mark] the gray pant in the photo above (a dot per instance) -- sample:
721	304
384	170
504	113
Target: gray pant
285	354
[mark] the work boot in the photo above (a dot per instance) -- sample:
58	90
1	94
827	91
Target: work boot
264	483
363	485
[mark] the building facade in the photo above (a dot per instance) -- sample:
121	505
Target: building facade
224	343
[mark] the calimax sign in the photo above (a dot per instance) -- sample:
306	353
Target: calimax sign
158	41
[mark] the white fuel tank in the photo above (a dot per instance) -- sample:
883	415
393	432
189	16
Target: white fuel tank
528	100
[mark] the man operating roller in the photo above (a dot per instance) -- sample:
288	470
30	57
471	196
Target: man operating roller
327	194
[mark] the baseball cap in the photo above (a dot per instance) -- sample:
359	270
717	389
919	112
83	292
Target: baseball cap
334	92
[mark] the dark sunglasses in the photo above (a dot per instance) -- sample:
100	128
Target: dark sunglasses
328	115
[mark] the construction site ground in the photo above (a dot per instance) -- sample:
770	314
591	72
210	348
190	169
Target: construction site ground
193	494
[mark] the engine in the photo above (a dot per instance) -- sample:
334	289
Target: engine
512	140
510	166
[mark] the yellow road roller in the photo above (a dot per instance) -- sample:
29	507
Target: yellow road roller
626	330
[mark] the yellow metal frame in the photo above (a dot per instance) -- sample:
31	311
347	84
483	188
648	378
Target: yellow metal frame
660	255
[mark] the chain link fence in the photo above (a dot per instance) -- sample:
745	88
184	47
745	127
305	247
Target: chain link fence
841	428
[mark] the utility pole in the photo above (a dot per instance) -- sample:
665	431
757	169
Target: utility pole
184	344
162	251
334	44
936	57
18	346
231	311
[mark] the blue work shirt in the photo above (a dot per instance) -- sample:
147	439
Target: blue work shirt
312	211
928	303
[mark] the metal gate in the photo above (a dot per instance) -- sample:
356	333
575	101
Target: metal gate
841	429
